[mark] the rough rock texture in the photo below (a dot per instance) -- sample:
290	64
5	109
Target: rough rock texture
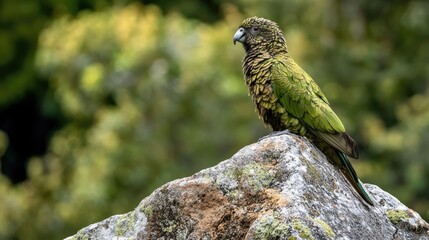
279	188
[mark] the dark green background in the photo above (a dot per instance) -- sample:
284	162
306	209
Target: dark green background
102	101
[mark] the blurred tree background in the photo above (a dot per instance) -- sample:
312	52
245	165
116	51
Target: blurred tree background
103	101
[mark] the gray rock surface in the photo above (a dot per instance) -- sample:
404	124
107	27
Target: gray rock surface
279	188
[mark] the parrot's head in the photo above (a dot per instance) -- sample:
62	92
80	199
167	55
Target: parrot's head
260	34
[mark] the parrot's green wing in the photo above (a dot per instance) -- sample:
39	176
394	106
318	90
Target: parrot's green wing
303	99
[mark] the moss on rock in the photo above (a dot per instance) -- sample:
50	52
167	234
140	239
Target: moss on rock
397	215
326	228
302	229
271	226
124	223
257	176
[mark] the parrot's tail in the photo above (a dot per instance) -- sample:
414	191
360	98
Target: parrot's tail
351	175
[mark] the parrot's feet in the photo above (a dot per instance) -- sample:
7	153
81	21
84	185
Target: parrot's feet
275	134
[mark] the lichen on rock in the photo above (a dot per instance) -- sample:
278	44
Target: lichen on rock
397	215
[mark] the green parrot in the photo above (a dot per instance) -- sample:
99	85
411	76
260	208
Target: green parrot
287	98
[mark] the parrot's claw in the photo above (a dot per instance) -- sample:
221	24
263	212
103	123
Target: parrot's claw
275	134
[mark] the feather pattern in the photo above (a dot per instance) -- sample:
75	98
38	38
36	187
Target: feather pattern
286	97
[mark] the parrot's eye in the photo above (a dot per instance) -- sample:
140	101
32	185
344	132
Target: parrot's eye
255	29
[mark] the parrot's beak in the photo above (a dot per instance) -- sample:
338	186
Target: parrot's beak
239	36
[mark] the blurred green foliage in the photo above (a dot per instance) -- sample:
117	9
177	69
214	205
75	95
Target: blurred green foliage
152	95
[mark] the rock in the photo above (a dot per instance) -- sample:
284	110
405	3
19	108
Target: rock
279	188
